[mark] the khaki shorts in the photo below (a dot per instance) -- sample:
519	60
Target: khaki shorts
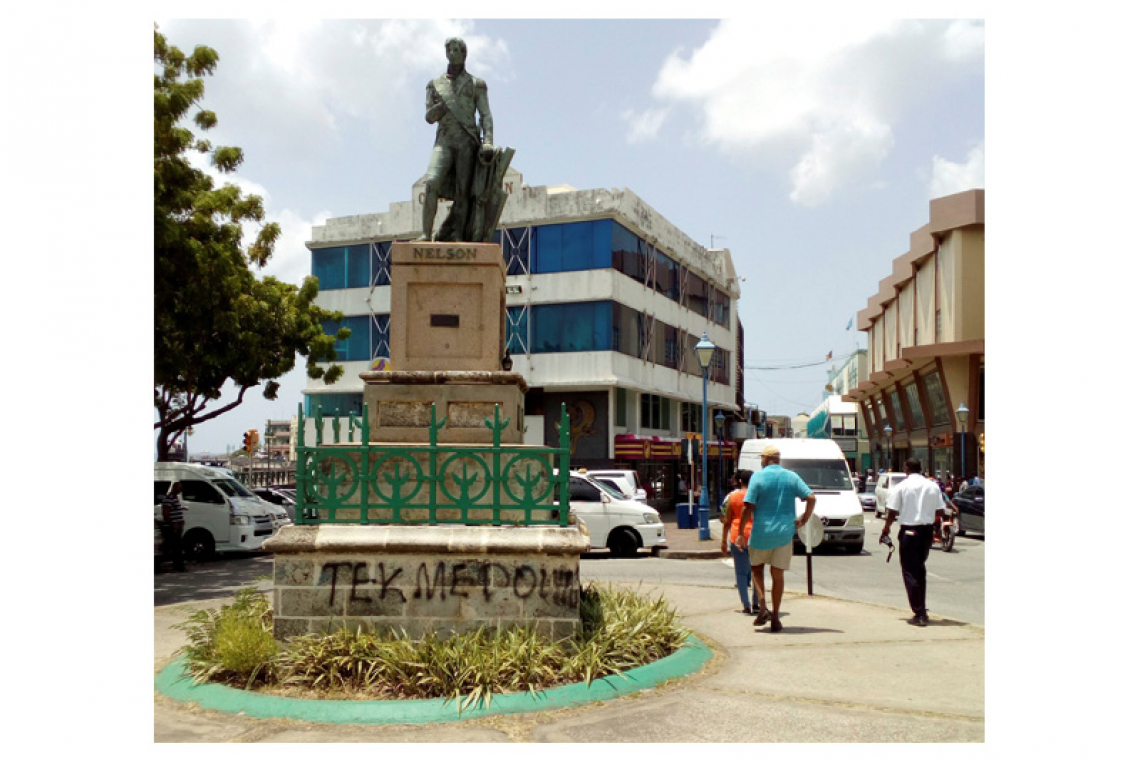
780	557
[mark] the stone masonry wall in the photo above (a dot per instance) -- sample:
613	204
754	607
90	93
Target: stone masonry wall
418	578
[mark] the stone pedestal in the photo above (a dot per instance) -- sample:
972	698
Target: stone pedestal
399	405
448	307
449	579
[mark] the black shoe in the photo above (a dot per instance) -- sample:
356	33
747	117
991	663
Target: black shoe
755	610
919	620
777	626
763	617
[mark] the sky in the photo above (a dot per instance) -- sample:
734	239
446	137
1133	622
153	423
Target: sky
810	149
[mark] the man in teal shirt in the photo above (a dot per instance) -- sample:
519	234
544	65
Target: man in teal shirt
772	493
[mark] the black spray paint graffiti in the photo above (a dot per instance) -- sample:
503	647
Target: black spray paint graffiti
560	587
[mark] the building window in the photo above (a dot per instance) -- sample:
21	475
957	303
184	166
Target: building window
343	266
382	263
627	328
516	249
697	295
629	255
896	407
932	384
585	326
572	247
666	276
358	345
518	322
619	406
720	307
654	412
912	401
982	394
334	404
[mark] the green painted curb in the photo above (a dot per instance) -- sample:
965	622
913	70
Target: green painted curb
172	682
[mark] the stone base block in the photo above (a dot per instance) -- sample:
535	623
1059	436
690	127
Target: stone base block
419	578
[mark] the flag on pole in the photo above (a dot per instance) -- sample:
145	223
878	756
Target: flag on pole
850	322
828	357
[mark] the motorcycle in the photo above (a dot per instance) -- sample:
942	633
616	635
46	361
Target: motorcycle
946	525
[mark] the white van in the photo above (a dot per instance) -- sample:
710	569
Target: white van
821	465
221	514
612	521
626	481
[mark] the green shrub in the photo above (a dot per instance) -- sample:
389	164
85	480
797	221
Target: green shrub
234	644
620	630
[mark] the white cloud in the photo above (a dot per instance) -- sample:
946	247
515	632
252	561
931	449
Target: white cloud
645	125
296	84
947	177
822	98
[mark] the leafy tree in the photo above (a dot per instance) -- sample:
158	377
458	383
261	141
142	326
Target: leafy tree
214	320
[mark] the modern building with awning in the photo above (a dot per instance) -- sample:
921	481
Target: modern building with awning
925	395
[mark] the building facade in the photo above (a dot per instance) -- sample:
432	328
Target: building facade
278	439
606	300
838	419
926	345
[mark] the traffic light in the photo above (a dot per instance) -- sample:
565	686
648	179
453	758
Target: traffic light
249	441
245	441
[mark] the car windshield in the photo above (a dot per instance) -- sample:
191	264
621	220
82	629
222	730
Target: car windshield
233	488
609	489
821	474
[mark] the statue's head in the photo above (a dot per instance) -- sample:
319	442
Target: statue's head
456	50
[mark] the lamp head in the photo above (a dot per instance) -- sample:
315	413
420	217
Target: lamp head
705	348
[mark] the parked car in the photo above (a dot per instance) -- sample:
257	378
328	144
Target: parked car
613	522
867	499
280	497
883	488
971	504
631	479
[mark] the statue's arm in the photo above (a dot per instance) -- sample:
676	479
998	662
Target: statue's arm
483	107
436	108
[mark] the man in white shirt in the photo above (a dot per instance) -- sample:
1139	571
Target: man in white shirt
915	502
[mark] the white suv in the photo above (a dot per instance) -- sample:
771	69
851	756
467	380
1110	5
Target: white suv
611	520
883	488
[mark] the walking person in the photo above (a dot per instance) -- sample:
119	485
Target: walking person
915	501
772	495
734	527
172	524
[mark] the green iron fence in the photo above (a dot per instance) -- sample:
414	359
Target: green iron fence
362	483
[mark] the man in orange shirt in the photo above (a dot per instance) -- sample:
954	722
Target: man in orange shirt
731	532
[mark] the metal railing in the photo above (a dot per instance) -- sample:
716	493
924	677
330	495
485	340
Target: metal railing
364	483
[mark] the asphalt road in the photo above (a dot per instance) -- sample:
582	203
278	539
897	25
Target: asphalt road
955	579
955	583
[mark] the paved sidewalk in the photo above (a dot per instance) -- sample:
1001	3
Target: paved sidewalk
840	671
685	543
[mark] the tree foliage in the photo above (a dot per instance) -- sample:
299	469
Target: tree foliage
214	319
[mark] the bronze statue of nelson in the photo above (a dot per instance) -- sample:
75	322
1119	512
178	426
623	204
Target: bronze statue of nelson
465	165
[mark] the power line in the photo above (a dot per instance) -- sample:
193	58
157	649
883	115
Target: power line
775	368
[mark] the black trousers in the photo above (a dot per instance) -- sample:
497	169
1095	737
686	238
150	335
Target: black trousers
914	548
172	545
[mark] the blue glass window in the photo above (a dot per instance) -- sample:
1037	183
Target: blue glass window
382	264
665	276
571	247
582	326
334	404
516	249
343	266
628	253
518	319
356	347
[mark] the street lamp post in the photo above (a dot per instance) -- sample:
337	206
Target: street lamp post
890	434
963	414
705	349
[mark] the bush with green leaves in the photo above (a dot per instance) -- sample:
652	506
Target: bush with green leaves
621	629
